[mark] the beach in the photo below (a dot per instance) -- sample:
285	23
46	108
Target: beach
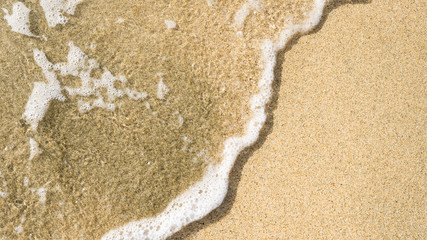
122	119
344	154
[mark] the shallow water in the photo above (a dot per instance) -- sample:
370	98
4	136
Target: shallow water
96	170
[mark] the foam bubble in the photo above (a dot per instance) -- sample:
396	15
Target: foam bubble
54	10
170	24
208	194
26	181
34	149
92	45
42	93
84	106
19	20
244	11
42	194
79	65
162	89
210	3
186	139
180	120
4	194
135	95
19	229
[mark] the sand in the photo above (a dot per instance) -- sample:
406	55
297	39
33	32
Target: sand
101	169
344	154
98	170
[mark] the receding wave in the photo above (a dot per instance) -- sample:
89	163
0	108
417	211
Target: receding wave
122	119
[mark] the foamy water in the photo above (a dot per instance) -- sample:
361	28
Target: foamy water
106	90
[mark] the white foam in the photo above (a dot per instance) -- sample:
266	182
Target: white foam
42	93
244	11
19	20
34	149
42	194
26	181
84	106
135	95
170	24
79	65
180	120
162	89
210	3
54	10
120	20
93	46
208	194
4	194
19	229
186	139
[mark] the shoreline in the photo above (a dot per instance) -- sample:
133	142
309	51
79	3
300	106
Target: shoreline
256	189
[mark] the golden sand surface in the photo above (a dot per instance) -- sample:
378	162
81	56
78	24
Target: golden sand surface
344	156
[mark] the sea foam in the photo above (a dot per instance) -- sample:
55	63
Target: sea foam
78	65
55	9
43	93
244	11
19	19
208	194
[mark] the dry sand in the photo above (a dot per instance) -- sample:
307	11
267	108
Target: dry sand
344	155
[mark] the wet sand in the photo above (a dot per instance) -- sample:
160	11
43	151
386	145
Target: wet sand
344	155
98	170
77	174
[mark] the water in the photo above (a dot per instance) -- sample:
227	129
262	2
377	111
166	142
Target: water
123	118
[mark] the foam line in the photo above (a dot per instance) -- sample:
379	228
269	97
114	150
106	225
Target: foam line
208	194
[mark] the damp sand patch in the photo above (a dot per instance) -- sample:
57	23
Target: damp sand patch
122	118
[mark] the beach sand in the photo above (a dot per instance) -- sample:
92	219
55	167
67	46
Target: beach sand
343	156
93	158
